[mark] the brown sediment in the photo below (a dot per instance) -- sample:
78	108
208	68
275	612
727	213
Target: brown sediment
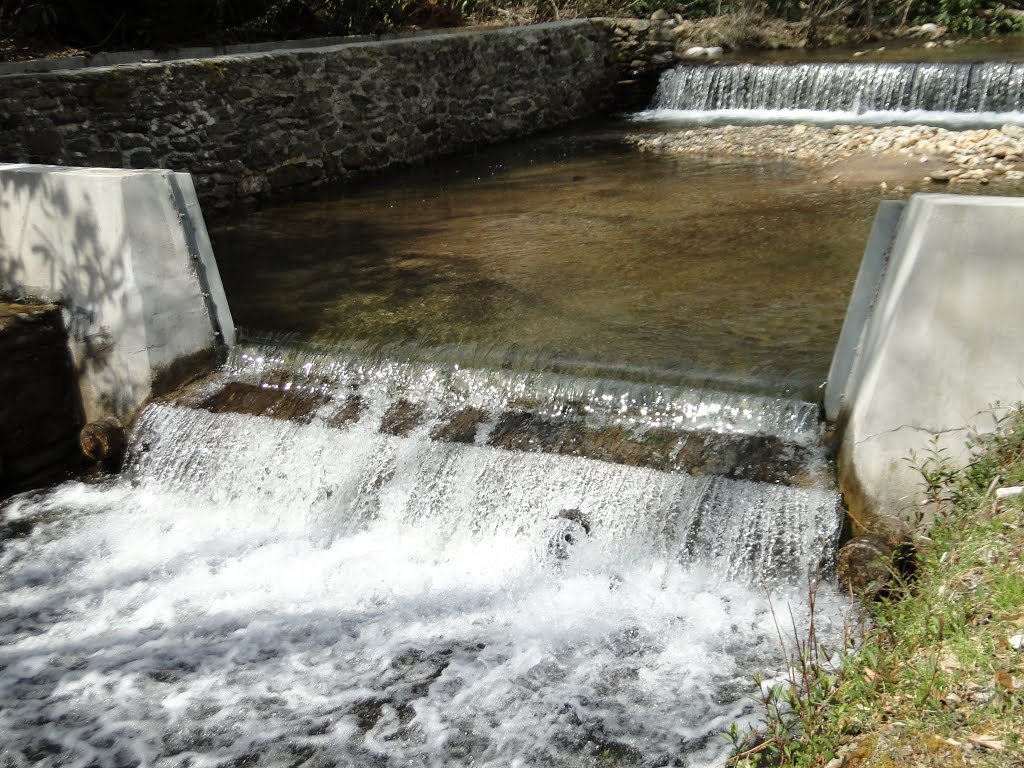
240	397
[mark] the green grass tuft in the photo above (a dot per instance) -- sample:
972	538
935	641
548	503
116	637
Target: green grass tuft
935	679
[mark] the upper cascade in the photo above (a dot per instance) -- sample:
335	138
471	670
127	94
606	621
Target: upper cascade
850	88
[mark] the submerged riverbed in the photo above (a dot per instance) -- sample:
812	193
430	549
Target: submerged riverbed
573	252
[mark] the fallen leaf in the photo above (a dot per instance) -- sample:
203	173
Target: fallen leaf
986	742
1005	680
870	675
949	663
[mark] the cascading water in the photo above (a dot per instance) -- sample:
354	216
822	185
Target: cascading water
315	559
939	94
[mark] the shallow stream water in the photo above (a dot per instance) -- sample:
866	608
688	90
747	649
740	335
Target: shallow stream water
572	251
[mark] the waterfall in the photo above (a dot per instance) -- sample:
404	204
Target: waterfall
983	93
314	556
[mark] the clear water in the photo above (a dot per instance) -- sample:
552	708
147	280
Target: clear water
574	253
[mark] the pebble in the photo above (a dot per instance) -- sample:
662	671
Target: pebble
698	52
970	156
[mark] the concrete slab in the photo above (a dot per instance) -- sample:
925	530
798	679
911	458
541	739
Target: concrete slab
939	350
872	266
127	256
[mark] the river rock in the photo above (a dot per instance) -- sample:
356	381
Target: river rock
276	401
699	52
401	418
460	427
863	566
891	530
879	558
563	532
350	412
103	441
929	30
811	145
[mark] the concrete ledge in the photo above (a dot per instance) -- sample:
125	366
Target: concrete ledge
939	344
127	256
39	410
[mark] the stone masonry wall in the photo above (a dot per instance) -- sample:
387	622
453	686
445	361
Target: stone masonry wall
247	126
39	416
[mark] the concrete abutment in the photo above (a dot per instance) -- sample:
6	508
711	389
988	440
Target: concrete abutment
126	256
930	351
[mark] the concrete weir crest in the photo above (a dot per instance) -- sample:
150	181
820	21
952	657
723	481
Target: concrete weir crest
930	350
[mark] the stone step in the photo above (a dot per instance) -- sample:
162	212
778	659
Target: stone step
737	456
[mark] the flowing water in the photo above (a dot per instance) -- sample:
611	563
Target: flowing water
950	95
388	566
533	477
569	252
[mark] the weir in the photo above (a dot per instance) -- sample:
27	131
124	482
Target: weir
316	556
976	94
328	557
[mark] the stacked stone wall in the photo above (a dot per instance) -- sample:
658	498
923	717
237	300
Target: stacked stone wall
247	126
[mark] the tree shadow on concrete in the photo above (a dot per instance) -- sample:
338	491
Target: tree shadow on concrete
52	247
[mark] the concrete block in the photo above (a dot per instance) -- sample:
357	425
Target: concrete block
939	347
872	266
127	256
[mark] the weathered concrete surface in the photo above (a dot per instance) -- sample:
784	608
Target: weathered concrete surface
250	125
127	256
940	346
39	414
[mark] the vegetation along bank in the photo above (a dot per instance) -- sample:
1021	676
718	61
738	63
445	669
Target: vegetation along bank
61	27
935	674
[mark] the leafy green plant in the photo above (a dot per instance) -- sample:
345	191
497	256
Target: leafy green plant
967	17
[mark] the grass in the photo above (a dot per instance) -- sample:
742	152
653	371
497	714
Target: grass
936	677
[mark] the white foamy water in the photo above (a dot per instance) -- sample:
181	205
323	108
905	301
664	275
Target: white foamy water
988	94
258	592
605	402
950	120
